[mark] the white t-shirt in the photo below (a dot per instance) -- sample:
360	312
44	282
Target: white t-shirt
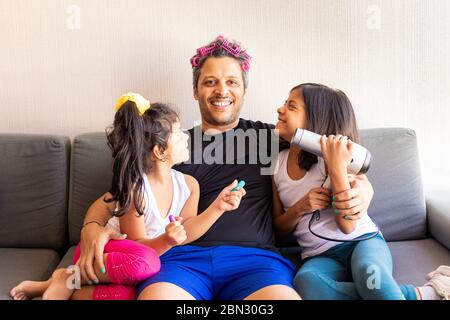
290	191
155	223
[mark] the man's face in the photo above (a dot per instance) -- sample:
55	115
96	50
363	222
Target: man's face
220	91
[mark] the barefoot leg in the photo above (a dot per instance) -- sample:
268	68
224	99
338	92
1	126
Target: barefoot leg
58	289
29	289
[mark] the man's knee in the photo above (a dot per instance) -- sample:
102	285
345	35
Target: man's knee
164	291
274	292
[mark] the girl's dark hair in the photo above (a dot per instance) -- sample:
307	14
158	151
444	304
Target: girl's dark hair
132	138
328	112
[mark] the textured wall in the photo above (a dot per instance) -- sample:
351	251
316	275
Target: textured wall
64	63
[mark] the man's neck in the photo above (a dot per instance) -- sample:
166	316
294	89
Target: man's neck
218	128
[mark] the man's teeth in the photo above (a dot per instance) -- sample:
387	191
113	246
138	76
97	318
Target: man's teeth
221	104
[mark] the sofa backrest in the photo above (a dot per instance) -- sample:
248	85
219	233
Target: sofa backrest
90	177
398	206
33	191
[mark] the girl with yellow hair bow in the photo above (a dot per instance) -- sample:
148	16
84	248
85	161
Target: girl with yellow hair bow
149	200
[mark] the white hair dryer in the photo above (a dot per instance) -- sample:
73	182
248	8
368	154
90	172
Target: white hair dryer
310	142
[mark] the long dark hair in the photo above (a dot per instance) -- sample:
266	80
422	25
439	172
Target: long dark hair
132	138
328	111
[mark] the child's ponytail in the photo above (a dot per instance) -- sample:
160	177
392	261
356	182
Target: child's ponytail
136	130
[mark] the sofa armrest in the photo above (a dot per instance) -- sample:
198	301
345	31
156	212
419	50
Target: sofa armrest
438	213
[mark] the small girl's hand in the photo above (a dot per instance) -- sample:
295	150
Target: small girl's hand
229	200
315	199
337	152
175	232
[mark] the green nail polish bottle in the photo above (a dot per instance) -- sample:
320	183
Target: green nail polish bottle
336	212
332	204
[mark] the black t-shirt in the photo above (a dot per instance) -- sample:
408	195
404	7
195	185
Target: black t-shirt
215	166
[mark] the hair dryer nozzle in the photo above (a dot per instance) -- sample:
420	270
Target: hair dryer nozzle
366	165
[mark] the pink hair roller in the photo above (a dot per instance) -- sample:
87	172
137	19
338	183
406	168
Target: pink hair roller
229	47
203	51
194	61
245	66
234	50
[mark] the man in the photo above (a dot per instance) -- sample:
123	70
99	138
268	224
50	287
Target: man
237	257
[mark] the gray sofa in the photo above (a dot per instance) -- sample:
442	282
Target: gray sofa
47	184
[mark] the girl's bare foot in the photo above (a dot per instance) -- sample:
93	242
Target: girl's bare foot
29	289
58	289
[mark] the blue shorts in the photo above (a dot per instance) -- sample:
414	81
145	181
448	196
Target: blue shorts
222	272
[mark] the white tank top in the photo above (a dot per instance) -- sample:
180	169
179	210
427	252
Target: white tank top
290	191
155	223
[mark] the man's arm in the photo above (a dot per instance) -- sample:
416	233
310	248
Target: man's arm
355	202
100	211
94	237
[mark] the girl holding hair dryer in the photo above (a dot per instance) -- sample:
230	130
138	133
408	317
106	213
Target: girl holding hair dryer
360	269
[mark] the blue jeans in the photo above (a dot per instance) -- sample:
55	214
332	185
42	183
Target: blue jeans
352	271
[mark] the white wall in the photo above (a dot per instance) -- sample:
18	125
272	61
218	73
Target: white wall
64	63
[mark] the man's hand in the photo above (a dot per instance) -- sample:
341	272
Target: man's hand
92	244
354	203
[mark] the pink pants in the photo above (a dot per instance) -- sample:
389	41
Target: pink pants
127	263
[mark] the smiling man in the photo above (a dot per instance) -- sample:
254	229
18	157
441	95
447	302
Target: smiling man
219	90
236	258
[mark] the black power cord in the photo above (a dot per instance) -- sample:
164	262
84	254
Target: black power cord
316	217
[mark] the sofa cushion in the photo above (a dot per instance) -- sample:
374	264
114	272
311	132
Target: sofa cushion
91	176
398	205
67	260
17	265
412	260
33	191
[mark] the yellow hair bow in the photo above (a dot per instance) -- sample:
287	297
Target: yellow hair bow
141	103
